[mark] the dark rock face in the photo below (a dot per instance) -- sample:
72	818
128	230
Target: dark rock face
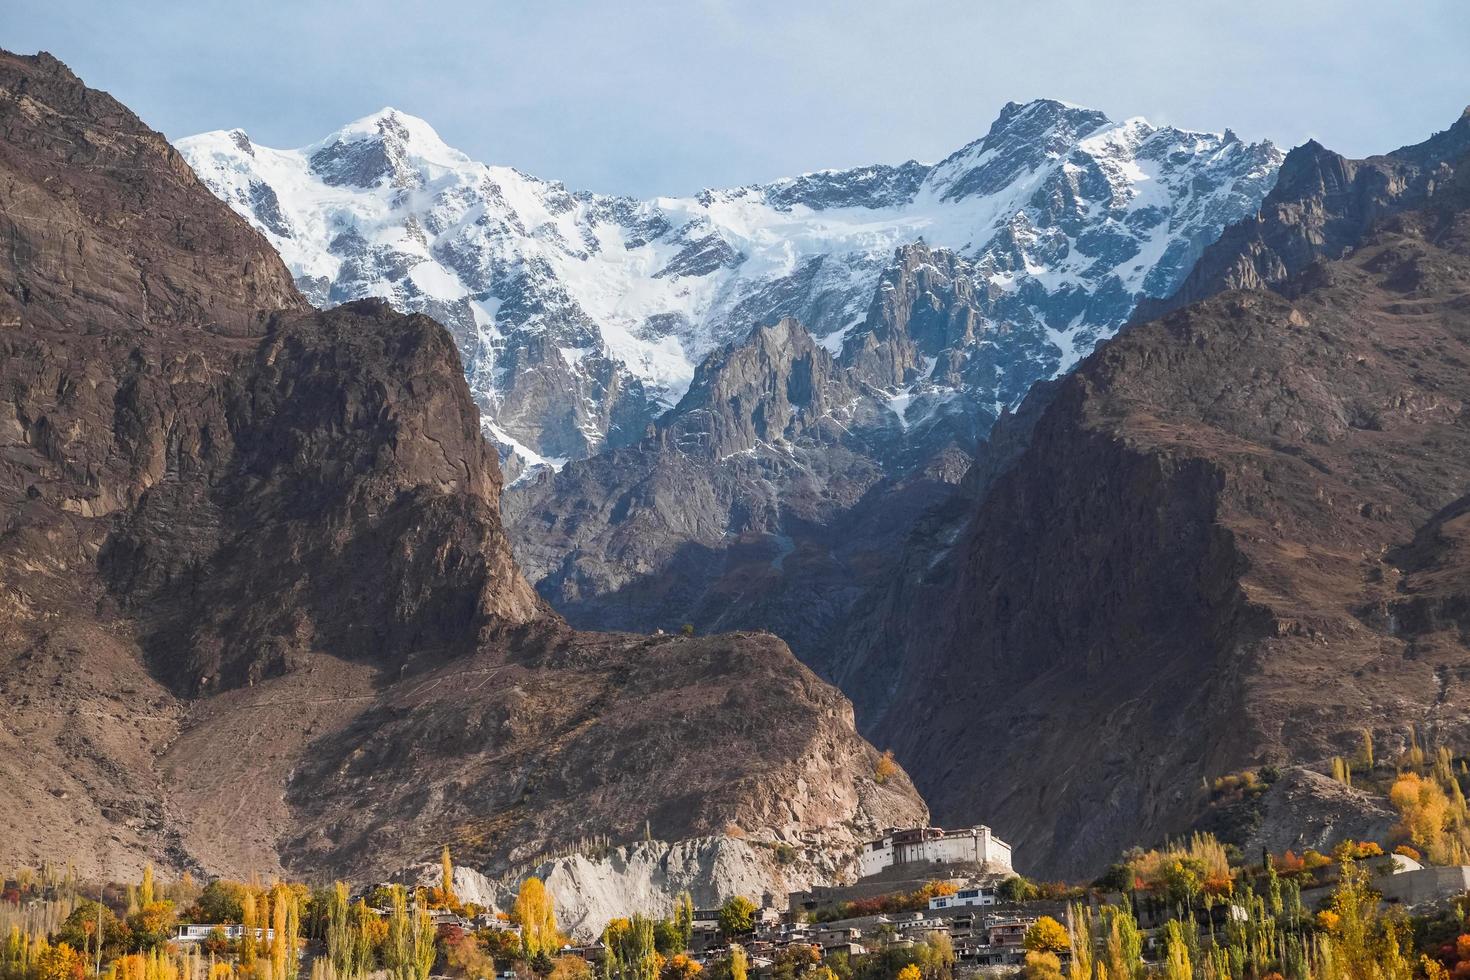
780	486
1321	206
257	608
1227	539
865	187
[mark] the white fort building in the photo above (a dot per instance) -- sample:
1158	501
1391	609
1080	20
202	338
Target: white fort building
935	845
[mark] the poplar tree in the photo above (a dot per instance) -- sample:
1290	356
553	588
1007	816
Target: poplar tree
278	932
535	911
448	885
247	935
400	937
684	918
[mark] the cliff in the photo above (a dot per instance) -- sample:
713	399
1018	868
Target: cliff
257	609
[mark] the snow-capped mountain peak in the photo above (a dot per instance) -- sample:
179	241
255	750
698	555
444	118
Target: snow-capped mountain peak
387	145
580	317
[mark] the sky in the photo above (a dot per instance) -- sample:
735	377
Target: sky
649	98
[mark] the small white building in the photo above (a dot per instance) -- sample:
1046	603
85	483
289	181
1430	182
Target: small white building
198	932
965	897
935	845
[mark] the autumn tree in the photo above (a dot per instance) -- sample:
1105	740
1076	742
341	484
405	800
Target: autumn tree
681	967
1047	935
278	932
465	955
447	870
152	924
145	890
535	912
247	937
60	962
739	962
570	968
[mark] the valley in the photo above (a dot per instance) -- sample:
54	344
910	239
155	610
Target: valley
1043	560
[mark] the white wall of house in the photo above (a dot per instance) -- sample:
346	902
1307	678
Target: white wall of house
875	857
966	897
976	845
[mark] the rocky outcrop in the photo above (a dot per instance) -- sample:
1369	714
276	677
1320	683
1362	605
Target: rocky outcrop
593	885
1322	205
773	387
767	498
648	876
1305	809
1199	558
258	607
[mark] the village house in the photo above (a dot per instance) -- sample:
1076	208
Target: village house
976	896
198	932
1007	932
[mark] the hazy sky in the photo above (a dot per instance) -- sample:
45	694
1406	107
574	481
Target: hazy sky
665	98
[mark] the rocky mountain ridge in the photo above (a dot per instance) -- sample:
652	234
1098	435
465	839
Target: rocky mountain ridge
1253	503
581	317
257	608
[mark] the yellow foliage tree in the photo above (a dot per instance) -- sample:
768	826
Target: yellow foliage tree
570	968
447	870
535	911
279	897
60	962
1047	935
247	938
1038	966
1432	820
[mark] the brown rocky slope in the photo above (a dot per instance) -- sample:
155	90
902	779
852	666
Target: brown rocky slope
1235	535
256	605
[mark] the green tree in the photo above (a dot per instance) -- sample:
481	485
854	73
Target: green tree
1176	963
1016	889
667	939
398	951
79	929
631	949
222	901
737	916
1124	944
684	919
